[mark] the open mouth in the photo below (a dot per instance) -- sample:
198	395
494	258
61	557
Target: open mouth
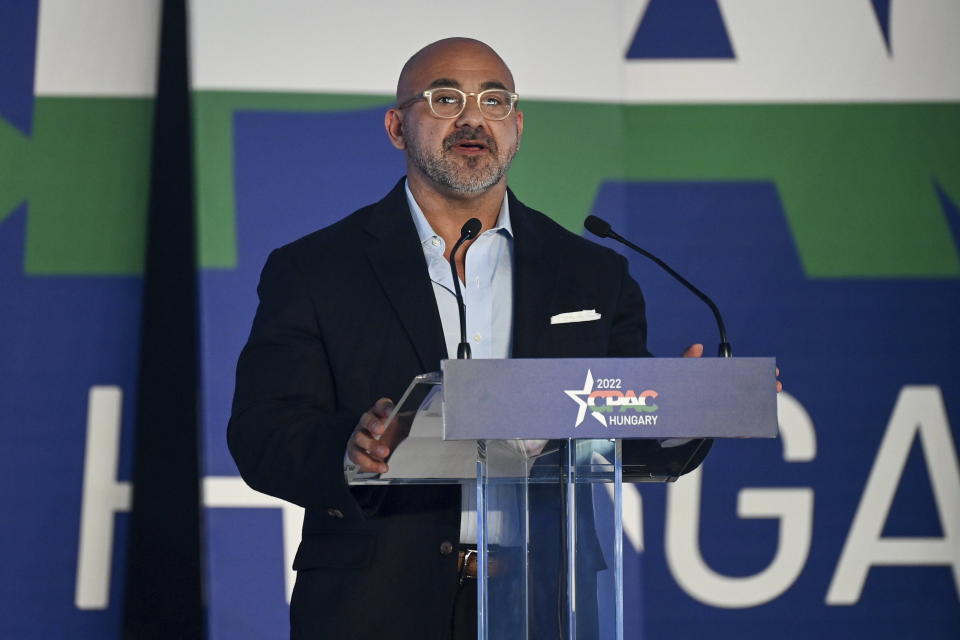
470	146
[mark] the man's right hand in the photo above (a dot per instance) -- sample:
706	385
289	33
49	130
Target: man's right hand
364	449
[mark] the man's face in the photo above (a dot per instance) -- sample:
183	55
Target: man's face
469	153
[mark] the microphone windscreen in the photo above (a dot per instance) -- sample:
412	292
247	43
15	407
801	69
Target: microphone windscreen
470	229
597	226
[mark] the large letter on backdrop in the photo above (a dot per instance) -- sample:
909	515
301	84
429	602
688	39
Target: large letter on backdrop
792	507
919	412
76	97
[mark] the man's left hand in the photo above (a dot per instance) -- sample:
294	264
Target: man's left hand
696	350
693	351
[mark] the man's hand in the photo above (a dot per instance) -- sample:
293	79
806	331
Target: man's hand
693	351
696	350
364	448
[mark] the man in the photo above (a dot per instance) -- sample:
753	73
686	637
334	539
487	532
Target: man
349	314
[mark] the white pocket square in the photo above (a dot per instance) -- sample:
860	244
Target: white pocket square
575	316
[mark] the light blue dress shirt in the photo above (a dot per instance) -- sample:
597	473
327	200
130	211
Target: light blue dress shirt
488	297
487	290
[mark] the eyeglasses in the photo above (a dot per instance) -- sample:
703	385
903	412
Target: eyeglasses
447	102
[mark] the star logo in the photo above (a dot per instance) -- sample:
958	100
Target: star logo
579	395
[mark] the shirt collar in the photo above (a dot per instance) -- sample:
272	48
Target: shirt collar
426	232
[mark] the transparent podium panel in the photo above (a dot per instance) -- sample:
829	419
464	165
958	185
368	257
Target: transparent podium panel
549	539
547	519
546	513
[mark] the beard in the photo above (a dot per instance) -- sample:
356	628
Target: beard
472	174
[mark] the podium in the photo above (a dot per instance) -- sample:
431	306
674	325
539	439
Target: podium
541	449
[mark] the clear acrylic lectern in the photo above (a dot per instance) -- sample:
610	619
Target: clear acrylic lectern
546	490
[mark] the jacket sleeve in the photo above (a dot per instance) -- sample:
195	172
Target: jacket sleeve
628	338
286	433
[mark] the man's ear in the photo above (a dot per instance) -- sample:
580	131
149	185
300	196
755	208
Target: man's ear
393	123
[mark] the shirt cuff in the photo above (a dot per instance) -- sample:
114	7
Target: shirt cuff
349	468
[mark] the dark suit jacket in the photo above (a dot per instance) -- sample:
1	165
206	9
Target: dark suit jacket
347	315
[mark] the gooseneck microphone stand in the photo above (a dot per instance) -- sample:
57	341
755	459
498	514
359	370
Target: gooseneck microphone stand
601	228
469	231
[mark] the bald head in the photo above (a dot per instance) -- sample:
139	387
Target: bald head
430	63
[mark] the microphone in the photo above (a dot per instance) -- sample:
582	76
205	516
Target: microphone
468	231
602	229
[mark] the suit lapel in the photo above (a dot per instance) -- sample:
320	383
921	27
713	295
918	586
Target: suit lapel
534	280
394	251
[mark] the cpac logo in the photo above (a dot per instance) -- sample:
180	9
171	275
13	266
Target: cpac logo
608	395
